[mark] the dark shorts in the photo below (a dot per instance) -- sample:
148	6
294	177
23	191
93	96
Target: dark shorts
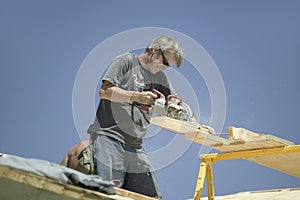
127	166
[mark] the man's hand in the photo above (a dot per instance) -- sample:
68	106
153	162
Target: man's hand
146	98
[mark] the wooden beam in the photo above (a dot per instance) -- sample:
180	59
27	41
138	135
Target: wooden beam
132	195
40	186
252	153
200	181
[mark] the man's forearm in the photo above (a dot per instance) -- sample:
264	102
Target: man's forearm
116	94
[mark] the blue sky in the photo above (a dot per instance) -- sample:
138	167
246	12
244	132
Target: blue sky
254	44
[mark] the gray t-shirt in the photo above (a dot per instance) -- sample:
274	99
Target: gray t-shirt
125	121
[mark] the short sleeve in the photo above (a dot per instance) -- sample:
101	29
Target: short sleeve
116	71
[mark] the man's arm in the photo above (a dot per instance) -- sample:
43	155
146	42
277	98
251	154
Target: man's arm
113	93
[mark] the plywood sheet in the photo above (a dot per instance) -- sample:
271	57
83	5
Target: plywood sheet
240	139
286	163
290	193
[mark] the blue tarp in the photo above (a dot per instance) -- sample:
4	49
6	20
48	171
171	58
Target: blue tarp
57	172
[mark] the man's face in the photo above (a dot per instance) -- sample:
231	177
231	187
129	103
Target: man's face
159	61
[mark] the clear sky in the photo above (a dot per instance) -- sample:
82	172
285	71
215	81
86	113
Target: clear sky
254	44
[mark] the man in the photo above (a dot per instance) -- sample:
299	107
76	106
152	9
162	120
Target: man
120	122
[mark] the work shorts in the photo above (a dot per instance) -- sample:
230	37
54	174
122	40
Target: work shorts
128	167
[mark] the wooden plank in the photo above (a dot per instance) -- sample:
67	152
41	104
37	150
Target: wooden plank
262	144
286	163
191	132
243	135
37	187
206	139
132	195
248	140
174	125
33	187
289	193
239	139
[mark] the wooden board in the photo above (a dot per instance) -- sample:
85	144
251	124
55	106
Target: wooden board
286	163
289	193
261	144
18	184
239	139
243	135
191	132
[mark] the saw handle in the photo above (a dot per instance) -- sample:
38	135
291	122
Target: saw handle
173	97
147	108
161	95
158	93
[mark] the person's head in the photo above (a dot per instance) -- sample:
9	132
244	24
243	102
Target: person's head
165	45
162	52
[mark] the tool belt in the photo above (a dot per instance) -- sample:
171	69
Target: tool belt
86	161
